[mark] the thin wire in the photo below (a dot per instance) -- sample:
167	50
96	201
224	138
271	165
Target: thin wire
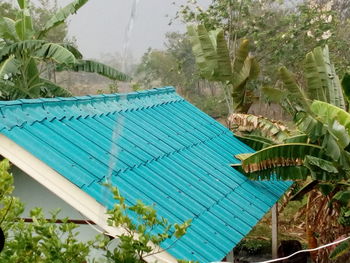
305	250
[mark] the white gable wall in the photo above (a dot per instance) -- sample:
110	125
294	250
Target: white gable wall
33	195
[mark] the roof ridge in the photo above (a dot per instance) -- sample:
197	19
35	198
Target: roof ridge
19	112
135	94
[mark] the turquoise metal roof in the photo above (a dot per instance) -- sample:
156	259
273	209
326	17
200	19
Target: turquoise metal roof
160	149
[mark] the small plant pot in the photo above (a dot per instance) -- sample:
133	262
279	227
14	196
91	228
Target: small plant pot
2	240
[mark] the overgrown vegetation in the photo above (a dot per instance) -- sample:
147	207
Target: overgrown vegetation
29	60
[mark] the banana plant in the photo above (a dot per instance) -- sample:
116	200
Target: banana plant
323	159
325	163
25	55
214	63
322	83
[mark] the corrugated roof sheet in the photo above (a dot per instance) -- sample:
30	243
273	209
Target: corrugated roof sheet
156	147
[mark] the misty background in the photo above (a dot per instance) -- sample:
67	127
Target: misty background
99	27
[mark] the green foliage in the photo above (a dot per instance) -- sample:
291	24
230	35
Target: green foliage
253	247
61	16
281	33
26	57
175	66
10	207
325	156
214	62
340	250
143	229
44	241
214	106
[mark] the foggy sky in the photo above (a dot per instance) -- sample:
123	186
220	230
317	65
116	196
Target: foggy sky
100	25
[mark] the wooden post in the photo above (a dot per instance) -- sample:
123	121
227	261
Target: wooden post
274	226
229	257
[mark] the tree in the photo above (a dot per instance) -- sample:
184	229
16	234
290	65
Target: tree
174	66
320	153
214	63
24	52
279	33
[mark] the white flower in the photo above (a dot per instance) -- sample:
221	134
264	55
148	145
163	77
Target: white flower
6	77
327	34
329	19
283	36
309	34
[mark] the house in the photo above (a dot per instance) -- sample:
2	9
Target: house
156	147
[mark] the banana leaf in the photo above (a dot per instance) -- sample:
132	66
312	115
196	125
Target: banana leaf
20	47
328	113
61	16
24	25
32	87
241	56
50	89
294	94
255	142
267	161
346	86
321	169
9	67
55	52
204	51
8	29
285	173
309	125
343	197
300	138
224	70
330	82
96	67
73	50
313	79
